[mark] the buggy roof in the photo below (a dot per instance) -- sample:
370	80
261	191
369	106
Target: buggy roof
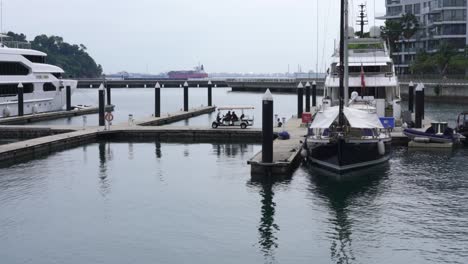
235	107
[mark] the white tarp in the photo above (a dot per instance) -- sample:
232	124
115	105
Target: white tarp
324	119
362	119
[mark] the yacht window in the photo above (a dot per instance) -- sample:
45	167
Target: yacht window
11	89
57	75
35	59
13	68
49	87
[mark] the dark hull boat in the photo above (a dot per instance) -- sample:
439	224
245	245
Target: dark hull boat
342	157
360	142
412	134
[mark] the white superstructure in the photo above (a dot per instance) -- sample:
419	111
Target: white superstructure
44	88
371	76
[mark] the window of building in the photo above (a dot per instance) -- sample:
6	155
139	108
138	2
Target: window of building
11	89
13	68
453	3
49	87
409	9
394	10
417	9
456	29
35	59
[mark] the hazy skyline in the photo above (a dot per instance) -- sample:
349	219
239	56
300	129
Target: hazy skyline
157	36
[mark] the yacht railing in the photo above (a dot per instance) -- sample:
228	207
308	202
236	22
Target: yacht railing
16	44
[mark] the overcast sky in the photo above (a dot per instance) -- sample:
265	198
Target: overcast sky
161	35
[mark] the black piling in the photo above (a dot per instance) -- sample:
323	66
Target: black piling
102	122
267	127
300	100
307	100
210	95
157	100
186	108
411	97
68	97
108	94
314	94
423	101
20	99
419	106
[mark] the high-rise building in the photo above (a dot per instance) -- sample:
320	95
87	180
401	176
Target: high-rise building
439	21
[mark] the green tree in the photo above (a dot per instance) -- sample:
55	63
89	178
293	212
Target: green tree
391	32
72	58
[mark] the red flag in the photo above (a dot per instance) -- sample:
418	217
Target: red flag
363	80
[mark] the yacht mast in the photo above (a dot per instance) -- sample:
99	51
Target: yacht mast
341	68
346	57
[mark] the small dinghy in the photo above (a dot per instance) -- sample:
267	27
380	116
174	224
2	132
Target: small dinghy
437	133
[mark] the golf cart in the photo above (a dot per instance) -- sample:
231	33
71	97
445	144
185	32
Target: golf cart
227	116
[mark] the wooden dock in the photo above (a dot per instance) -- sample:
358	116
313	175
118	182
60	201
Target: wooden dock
286	153
26	119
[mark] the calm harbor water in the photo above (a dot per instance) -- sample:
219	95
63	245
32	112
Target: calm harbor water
152	202
156	202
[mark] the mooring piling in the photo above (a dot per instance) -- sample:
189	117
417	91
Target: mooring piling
157	100
411	97
68	97
419	115
186	102
300	100
210	85
102	121
267	127
307	100
314	94
20	99
108	93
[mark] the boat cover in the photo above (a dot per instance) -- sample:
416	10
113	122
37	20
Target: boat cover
325	118
356	118
362	119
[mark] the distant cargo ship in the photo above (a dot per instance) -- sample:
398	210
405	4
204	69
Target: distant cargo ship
197	73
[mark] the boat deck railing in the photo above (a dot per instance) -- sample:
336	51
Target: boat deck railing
16	44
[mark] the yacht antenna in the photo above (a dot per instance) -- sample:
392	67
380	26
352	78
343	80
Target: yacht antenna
362	18
341	68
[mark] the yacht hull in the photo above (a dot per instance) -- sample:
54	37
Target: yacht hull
341	157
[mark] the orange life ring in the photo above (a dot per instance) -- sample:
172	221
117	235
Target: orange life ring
109	117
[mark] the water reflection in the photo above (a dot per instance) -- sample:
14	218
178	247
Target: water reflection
344	194
158	150
267	228
104	184
233	150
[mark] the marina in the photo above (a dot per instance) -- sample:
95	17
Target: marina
361	158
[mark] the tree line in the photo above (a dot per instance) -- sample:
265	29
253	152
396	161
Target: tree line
72	58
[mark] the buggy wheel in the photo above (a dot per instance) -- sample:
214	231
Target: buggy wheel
214	125
243	125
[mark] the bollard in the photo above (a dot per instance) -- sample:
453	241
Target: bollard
210	85
102	121
307	99
108	93
411	97
68	97
314	94
157	100
84	122
300	100
419	106
20	99
267	127
130	120
186	108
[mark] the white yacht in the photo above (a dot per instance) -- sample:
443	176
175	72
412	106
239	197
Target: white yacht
371	83
43	86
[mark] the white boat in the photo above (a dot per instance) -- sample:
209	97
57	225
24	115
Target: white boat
44	88
371	75
348	135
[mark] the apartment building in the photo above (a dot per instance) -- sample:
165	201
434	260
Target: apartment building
440	21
